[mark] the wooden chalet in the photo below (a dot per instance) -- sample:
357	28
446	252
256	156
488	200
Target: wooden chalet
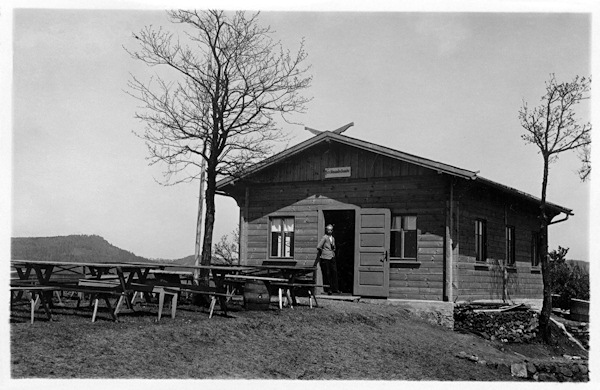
406	227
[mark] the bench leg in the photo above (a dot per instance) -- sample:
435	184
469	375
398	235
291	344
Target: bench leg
174	298
95	309
213	302
315	298
161	301
280	298
135	293
119	303
36	299
310	298
57	293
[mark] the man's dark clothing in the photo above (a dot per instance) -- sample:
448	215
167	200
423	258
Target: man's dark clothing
328	263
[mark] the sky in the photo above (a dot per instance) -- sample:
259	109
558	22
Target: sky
445	86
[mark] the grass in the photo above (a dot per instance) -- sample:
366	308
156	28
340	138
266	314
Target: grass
338	340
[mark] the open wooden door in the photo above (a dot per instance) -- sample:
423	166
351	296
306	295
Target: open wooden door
372	268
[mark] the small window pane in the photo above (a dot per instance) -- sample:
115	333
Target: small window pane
410	244
274	244
276	225
410	223
288	225
396	222
396	244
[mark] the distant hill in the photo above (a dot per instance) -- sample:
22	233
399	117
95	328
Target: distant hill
584	265
76	248
191	259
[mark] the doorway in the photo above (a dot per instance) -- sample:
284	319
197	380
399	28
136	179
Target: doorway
343	222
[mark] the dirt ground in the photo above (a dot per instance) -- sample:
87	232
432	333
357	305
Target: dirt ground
338	340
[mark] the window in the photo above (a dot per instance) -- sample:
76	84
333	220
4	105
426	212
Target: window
404	237
480	240
535	249
510	245
282	237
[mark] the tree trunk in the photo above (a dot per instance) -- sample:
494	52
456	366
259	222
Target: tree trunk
199	223
209	222
544	321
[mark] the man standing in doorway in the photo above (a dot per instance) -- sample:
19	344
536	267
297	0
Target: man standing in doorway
326	253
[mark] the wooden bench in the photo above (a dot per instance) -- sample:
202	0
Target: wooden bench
37	295
112	286
159	289
172	279
290	295
104	289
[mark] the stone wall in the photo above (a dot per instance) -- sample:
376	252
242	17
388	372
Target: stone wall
505	326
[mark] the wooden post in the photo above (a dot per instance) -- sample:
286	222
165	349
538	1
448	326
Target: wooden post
448	249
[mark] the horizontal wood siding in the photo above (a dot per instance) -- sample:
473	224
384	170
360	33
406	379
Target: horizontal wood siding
310	165
423	279
411	195
484	281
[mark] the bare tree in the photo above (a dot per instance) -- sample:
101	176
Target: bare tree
217	99
553	128
227	250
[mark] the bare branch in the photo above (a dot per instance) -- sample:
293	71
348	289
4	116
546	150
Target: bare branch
221	86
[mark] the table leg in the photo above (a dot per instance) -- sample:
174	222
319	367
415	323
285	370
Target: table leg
110	310
289	297
219	279
124	285
280	298
33	302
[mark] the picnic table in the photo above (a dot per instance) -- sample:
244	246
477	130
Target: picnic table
122	280
96	284
222	276
294	278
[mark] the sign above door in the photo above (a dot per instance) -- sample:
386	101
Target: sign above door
331	173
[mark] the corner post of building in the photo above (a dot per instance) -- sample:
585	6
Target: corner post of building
448	258
243	236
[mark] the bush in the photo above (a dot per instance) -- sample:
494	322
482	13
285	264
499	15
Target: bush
568	281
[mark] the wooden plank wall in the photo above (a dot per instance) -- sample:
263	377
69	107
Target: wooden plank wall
423	195
310	165
485	281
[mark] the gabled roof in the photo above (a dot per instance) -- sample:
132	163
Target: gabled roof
385	151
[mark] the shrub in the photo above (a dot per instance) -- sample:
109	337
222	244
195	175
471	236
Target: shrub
568	281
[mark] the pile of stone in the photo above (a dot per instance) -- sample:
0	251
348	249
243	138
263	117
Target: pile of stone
508	324
546	371
573	369
581	331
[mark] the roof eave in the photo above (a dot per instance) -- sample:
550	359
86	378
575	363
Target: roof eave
514	191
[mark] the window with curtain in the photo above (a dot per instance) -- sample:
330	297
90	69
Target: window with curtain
403	244
282	237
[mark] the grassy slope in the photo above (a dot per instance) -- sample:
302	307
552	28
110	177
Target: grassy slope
335	341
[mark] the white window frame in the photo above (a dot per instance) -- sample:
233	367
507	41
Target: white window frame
284	250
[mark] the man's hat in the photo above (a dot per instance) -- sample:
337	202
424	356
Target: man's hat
330	226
